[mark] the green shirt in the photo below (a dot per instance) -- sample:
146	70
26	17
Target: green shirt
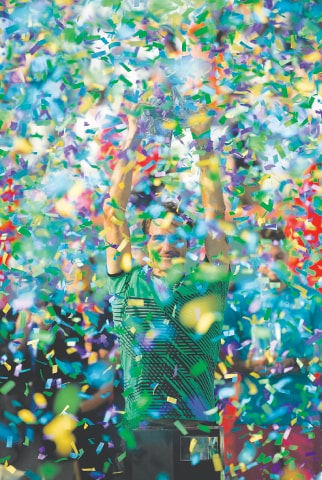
168	364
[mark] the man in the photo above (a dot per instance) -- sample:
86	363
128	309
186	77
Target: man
168	359
275	329
168	319
168	237
168	322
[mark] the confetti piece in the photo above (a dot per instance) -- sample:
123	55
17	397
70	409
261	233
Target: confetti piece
6	308
218	466
180	427
7	387
203	428
59	430
40	400
26	416
67	399
172	400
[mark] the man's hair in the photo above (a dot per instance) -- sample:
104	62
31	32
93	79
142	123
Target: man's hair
168	207
272	234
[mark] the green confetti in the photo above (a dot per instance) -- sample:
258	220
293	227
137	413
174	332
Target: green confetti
180	427
198	368
7	387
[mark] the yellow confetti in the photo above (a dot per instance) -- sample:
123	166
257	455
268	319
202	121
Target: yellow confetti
11	469
8	367
192	445
216	460
303	290
123	244
197	119
222	367
126	262
40	400
256	437
304	86
205	322
252	387
170	124
130	166
242	467
71	350
59	430
73	445
200	310
26	416
65	208
171	400
229	376
22	146
232	470
6	308
50	354
64	3
136	302
93	356
117	221
177	261
86	104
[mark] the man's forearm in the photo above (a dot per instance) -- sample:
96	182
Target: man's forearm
214	211
116	229
121	183
211	189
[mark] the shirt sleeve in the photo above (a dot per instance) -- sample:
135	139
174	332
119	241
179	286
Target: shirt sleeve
117	284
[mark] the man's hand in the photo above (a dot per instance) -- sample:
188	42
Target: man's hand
116	229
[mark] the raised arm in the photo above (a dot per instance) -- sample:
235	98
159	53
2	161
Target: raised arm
116	229
211	191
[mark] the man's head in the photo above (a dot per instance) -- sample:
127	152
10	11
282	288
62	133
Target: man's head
167	237
271	253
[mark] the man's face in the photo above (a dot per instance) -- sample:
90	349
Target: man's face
269	255
165	244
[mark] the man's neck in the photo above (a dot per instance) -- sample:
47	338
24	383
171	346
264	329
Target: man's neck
167	273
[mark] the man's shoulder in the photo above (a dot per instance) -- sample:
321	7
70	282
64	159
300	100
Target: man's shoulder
207	272
125	281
